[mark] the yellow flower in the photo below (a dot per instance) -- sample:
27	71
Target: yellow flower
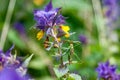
66	29
40	34
38	2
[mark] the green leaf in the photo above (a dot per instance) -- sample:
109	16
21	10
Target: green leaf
61	71
70	78
76	56
26	62
73	76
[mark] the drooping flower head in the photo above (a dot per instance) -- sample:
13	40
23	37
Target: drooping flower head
48	17
107	71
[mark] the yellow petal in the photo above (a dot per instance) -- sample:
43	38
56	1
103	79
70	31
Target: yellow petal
65	28
40	34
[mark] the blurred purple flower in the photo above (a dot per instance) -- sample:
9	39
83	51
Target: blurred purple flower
48	17
83	39
19	27
107	71
10	74
8	60
12	67
109	2
111	10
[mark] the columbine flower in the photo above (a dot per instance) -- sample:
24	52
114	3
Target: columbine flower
107	71
83	39
48	18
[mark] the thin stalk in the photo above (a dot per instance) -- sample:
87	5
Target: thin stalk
59	46
71	53
7	23
100	23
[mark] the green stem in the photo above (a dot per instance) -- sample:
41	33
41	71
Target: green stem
7	23
59	47
100	23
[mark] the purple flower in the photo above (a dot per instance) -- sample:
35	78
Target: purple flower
19	27
10	74
83	39
48	17
111	10
109	2
8	60
107	71
12	66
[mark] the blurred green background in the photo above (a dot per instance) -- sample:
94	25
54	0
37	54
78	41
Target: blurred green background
83	18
